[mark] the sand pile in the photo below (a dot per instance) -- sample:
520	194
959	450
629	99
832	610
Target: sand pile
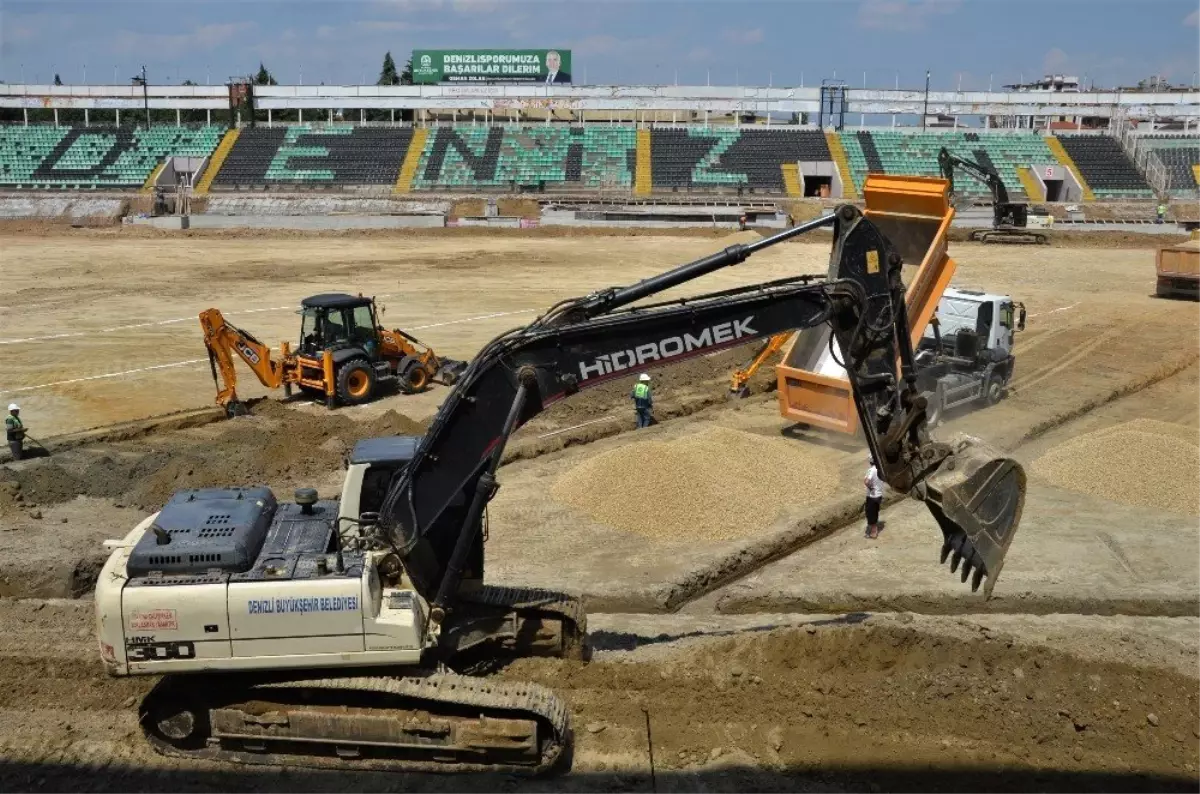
1144	462
717	484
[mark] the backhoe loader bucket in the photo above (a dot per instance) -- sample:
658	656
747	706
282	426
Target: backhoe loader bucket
977	497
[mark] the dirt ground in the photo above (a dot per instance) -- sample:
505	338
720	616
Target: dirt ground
825	703
99	328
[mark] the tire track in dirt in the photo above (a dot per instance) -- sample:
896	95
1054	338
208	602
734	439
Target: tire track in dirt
1067	361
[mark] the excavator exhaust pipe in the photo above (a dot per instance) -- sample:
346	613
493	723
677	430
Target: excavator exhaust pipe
976	496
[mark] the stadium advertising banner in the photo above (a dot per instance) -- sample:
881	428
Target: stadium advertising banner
491	66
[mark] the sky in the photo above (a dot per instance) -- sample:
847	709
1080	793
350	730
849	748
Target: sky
967	43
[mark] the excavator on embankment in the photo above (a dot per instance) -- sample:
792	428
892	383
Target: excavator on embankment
345	355
358	633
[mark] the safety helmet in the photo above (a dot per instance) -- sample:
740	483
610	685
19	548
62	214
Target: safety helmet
14	407
644	377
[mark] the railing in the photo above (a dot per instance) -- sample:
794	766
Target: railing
1143	156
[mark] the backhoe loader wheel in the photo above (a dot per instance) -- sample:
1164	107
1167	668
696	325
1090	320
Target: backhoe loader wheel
416	379
355	382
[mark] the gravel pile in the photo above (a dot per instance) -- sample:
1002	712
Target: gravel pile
1145	463
718	484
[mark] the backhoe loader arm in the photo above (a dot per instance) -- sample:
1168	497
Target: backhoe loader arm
432	512
989	176
220	337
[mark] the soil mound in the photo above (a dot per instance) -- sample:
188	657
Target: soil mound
1143	462
718	484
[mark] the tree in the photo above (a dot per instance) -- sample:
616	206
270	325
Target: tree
57	79
264	77
189	82
406	77
387	75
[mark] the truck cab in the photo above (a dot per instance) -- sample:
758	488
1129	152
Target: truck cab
966	353
232	578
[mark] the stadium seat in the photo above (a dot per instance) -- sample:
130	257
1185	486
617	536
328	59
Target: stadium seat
699	159
1178	154
515	155
334	156
915	153
43	157
1106	167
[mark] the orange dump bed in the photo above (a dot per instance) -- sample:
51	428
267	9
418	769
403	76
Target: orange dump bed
1180	260
1178	269
915	214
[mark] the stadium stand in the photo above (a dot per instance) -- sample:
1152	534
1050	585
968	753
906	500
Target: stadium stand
538	156
916	153
535	155
1179	154
42	157
1108	170
334	156
730	158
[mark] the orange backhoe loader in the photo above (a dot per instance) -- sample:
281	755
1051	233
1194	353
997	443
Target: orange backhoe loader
344	355
739	382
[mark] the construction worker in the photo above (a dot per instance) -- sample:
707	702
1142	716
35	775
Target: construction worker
1162	213
874	487
14	429
643	402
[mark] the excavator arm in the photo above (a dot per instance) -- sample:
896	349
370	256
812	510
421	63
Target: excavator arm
221	337
431	515
989	176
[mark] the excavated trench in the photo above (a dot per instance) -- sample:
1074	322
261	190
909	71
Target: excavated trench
849	703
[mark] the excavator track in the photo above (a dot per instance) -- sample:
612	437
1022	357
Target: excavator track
434	722
422	722
548	606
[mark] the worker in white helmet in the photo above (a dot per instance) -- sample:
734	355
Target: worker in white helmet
874	487
643	401
14	429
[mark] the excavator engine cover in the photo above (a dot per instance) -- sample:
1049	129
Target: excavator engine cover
976	496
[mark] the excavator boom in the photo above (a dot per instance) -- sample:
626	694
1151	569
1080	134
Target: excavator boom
432	512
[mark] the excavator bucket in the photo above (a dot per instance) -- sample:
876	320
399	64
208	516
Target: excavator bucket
976	496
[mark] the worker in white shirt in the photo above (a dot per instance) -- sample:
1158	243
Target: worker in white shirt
874	487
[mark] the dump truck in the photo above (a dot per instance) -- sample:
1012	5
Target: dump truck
1178	270
963	338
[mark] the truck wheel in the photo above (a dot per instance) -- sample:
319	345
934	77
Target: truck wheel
355	382
993	390
415	379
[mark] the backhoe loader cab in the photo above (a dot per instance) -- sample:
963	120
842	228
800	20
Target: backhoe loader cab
337	321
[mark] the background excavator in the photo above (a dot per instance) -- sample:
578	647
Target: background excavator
1010	219
344	355
354	633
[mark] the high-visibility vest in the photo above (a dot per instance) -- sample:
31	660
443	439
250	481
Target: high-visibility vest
641	391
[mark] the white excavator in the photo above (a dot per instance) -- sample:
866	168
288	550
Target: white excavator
359	633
